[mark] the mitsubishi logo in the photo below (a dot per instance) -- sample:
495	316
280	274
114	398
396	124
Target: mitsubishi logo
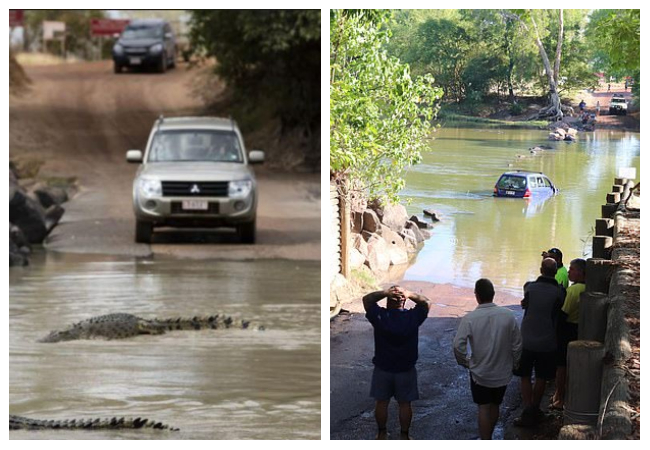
195	189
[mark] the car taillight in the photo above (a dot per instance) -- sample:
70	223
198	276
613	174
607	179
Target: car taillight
527	193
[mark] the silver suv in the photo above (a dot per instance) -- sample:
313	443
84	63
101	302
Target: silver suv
195	173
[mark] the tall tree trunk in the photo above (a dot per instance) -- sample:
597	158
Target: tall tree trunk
558	49
554	110
511	59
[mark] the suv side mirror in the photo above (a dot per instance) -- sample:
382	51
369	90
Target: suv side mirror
256	157
134	156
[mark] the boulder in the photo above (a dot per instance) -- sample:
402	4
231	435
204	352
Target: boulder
435	215
356	258
410	242
50	195
357	221
359	244
396	246
371	222
419	222
395	217
16	256
52	216
28	215
417	233
378	257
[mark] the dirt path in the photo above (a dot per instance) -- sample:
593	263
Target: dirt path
81	118
629	122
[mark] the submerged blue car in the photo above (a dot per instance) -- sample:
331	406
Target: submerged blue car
524	184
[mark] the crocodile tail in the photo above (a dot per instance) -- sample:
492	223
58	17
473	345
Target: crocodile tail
217	321
114	423
59	336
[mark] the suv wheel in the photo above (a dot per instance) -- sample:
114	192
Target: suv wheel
143	232
162	64
247	232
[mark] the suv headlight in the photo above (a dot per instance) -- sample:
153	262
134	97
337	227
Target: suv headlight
117	48
156	48
150	188
240	188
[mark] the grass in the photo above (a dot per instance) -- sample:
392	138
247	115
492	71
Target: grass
447	119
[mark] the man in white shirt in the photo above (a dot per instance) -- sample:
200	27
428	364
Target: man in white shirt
495	349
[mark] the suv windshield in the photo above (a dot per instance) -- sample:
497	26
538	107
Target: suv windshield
618	100
195	145
142	32
512	182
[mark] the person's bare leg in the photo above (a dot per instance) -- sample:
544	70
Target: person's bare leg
484	422
405	417
526	391
560	387
538	391
381	416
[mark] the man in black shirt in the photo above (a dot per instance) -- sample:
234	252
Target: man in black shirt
396	352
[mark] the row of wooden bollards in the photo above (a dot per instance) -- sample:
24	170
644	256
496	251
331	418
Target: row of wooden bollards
589	381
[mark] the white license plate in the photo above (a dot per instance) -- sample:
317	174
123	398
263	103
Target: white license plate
195	205
135	60
510	192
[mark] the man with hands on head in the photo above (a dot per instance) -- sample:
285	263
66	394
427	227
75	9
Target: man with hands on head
396	352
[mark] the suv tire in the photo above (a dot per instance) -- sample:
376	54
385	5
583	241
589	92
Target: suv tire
143	232
247	232
162	64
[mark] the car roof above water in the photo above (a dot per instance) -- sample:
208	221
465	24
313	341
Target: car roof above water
523	173
192	123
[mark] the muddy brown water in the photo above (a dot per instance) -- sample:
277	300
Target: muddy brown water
212	384
501	238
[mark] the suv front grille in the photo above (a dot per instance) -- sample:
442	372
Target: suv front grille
195	189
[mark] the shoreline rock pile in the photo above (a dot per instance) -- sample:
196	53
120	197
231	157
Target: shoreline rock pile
563	132
34	210
382	236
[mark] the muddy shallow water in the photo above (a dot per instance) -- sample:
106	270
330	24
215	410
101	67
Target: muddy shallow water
212	384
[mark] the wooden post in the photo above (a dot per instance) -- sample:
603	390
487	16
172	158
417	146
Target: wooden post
621	181
604	227
617	188
598	275
608	210
584	376
592	324
613	197
601	246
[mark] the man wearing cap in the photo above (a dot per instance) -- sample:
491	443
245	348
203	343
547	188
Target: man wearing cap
543	300
396	352
562	274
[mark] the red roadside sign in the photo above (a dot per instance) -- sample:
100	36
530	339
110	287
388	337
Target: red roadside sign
107	27
16	17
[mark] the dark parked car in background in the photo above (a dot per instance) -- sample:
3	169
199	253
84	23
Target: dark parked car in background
524	184
148	43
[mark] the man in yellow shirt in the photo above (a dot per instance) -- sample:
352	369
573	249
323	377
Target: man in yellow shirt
568	327
562	275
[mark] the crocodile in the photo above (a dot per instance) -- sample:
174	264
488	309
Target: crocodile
122	325
114	423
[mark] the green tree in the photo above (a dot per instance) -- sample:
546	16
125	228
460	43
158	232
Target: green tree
380	116
269	59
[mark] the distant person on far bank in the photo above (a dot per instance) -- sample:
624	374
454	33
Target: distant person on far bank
494	350
568	327
396	352
598	108
562	275
542	302
582	105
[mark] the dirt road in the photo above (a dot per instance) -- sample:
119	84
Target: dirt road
81	118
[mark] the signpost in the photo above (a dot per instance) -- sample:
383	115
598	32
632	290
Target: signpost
16	18
107	27
54	31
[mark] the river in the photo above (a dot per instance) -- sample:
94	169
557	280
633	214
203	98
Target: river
212	384
502	239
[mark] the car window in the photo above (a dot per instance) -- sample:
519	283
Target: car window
142	32
540	182
511	182
532	182
195	145
547	182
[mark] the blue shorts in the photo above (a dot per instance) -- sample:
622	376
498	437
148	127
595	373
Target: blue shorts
401	385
